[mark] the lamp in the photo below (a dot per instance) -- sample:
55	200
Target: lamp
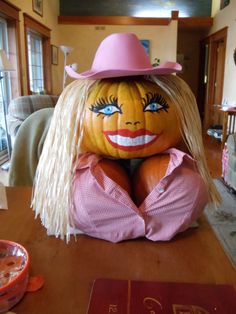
66	50
5	66
74	66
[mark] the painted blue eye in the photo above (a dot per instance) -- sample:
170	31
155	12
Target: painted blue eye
106	106
154	106
154	103
108	110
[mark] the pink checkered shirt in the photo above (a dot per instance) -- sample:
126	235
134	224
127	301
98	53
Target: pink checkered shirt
102	209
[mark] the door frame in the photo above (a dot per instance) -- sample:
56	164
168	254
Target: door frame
212	41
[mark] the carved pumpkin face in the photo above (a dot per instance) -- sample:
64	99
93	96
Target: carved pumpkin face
129	118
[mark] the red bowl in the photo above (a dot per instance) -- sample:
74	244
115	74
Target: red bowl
14	273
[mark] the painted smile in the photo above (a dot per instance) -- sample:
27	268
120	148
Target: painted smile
130	140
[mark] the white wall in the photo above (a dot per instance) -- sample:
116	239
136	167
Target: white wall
227	18
215	7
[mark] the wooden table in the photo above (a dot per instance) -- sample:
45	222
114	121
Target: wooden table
69	269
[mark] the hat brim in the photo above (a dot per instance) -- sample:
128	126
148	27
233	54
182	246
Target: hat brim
163	69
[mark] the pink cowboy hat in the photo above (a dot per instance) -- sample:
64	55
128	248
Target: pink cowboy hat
122	54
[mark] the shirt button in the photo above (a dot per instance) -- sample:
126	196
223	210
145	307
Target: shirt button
161	190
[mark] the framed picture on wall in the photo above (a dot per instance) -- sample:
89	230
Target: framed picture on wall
146	45
224	3
54	51
37	6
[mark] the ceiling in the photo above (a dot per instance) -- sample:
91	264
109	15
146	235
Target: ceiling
135	8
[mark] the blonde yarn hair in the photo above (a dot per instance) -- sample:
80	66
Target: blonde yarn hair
57	164
52	195
191	130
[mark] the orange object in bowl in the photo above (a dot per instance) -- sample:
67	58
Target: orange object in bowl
14	273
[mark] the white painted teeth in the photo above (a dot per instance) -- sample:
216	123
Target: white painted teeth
129	141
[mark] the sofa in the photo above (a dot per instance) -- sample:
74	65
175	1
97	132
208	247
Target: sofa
22	107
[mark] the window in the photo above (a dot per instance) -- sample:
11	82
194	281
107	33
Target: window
5	95
38	54
4	45
35	64
10	85
10	30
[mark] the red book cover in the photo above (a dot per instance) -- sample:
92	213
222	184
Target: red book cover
143	297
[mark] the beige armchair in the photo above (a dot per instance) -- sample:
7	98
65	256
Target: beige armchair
28	147
22	107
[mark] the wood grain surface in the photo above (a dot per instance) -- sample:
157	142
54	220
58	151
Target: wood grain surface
70	269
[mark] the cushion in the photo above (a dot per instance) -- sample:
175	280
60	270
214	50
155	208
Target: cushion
28	146
231	143
24	106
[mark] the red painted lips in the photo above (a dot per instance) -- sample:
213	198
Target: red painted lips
127	140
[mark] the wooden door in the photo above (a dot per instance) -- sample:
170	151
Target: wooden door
216	116
203	77
215	79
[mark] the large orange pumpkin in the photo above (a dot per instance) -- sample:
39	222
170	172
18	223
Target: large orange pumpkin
148	175
129	118
117	173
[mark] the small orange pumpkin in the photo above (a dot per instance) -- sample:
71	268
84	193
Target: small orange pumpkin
129	118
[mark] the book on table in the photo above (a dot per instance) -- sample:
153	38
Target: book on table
141	297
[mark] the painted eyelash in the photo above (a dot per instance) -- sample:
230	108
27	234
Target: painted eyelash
150	98
101	103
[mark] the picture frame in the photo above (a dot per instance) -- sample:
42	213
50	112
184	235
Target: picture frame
54	52
224	3
146	45
37	6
